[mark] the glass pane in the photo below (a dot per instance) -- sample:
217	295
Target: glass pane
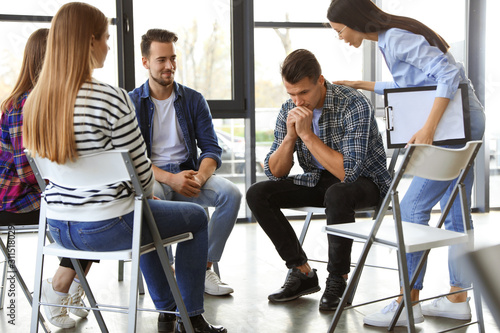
492	83
12	42
230	133
49	8
291	10
204	45
109	73
447	18
338	62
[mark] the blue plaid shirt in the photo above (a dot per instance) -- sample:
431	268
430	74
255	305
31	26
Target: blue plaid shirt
348	126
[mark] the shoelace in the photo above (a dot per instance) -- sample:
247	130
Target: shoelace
334	287
390	308
291	281
76	298
64	310
435	302
214	278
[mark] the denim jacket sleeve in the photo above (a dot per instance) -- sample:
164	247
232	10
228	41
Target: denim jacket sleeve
206	139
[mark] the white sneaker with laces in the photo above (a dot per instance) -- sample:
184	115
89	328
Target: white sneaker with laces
383	318
76	294
214	286
57	316
442	307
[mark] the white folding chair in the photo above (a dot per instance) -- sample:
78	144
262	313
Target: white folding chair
425	161
311	210
94	170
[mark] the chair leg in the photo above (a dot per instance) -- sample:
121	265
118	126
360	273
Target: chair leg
141	284
20	281
216	269
165	263
4	282
403	269
35	306
90	296
302	236
479	309
120	270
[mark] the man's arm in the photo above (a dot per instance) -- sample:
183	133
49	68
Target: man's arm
206	170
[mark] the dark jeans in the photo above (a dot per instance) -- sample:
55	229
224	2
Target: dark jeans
266	199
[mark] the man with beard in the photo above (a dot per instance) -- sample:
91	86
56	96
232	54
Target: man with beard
176	123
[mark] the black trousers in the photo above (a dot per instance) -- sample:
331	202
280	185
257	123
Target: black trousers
266	199
32	218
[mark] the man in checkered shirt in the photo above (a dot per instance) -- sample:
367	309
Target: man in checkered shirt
332	129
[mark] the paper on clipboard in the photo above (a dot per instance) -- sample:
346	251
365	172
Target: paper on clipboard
407	109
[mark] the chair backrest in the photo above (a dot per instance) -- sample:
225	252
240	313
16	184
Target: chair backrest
427	161
88	170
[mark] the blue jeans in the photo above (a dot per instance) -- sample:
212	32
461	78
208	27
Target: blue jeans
217	192
424	194
172	218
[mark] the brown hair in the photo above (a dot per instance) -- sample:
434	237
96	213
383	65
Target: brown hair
34	52
364	16
69	61
156	35
299	64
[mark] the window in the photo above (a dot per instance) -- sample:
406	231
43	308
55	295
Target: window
204	46
492	100
18	20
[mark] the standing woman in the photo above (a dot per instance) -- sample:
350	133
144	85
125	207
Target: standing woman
70	114
19	190
416	56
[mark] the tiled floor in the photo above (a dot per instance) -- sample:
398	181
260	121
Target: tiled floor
252	266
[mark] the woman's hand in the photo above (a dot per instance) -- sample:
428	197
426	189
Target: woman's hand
365	85
423	136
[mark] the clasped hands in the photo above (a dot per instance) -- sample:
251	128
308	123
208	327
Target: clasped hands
299	121
187	183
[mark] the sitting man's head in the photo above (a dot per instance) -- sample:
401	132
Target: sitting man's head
301	74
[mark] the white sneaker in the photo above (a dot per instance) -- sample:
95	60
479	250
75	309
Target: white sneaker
214	286
76	293
442	307
383	318
57	316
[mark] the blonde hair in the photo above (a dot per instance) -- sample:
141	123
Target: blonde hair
48	112
34	52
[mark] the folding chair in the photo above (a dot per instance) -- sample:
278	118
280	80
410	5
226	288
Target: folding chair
311	210
107	167
9	265
425	161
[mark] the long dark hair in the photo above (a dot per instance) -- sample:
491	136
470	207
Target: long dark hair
364	16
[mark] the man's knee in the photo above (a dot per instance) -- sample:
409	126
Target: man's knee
254	193
226	188
338	196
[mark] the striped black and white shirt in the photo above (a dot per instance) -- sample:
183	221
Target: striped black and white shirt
104	119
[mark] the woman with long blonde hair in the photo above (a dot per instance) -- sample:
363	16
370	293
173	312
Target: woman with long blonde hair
20	191
70	114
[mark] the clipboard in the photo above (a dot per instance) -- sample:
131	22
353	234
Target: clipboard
407	109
